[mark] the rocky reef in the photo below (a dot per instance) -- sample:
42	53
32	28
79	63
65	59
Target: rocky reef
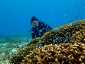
63	46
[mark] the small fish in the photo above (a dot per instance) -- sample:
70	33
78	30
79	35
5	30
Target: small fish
38	27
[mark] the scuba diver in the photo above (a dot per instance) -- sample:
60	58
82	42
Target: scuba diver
38	27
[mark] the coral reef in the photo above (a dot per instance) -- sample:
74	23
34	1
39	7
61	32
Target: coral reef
22	52
64	34
57	54
67	47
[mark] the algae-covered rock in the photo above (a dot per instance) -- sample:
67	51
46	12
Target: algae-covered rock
40	52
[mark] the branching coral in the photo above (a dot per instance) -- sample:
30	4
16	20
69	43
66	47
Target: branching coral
57	54
22	52
64	34
67	47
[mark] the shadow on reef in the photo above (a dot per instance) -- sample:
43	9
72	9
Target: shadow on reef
63	46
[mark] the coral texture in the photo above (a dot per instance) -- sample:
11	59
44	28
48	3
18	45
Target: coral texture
57	54
63	46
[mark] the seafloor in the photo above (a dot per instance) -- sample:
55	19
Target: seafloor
8	47
65	45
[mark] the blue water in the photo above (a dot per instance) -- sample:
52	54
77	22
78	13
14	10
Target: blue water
15	15
15	18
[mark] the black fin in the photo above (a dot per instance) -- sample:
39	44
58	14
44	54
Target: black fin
38	27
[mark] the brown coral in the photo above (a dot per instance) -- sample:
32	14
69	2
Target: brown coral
57	54
64	34
67	47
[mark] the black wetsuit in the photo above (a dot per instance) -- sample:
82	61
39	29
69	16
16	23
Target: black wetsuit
38	31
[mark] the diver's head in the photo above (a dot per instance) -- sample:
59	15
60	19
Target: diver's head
35	21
